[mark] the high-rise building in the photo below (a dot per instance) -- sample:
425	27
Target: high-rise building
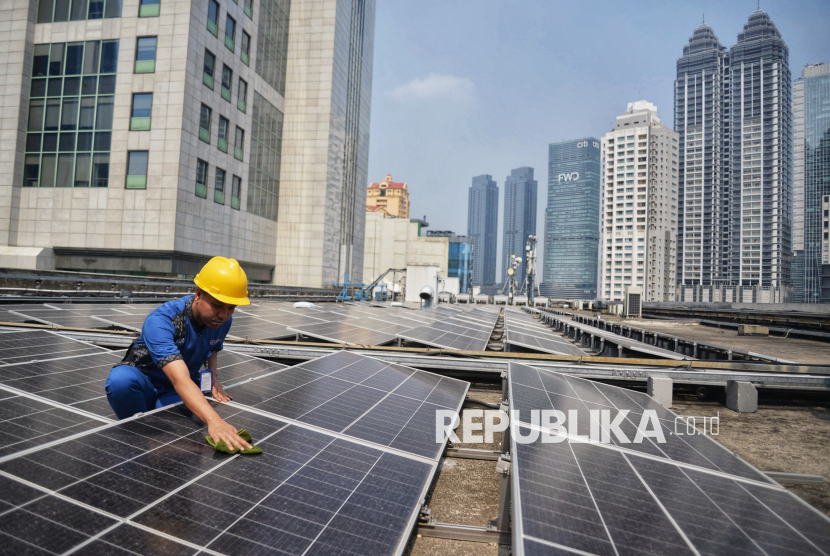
638	230
572	220
811	111
147	138
520	192
389	197
698	120
758	132
483	228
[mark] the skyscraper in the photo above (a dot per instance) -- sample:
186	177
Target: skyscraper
811	110
638	238
572	220
483	228
147	137
698	121
520	191
758	132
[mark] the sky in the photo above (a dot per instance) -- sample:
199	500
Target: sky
469	87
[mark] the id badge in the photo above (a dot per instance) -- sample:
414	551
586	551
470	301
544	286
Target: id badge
206	380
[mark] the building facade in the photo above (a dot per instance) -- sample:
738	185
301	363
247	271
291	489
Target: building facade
395	243
460	262
519	222
149	137
638	224
811	111
698	120
758	129
572	220
389	196
483	228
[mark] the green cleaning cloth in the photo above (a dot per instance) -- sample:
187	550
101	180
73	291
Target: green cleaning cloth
221	446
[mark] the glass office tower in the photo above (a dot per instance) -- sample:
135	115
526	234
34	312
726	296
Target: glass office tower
483	228
811	108
572	220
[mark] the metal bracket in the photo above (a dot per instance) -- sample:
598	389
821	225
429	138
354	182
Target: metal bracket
470	533
794	478
473	453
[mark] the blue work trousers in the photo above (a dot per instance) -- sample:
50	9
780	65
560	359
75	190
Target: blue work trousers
130	391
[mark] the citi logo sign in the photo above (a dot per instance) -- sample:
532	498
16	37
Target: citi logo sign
573	176
584	144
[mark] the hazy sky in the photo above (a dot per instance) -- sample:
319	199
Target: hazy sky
463	88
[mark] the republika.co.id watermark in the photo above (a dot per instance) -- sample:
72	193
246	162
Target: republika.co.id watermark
552	426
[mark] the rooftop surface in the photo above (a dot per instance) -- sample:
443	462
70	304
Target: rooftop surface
791	349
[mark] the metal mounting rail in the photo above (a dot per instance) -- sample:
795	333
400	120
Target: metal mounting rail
492	364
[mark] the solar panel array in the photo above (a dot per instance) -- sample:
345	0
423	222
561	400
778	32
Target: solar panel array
349	452
520	329
688	495
341	323
469	331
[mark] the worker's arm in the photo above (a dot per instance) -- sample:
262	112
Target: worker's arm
219	393
195	401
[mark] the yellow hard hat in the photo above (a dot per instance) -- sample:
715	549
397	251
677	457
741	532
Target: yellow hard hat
225	280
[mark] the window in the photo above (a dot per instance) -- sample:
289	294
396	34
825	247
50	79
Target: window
141	112
263	187
213	16
145	55
149	8
204	124
271	42
236	189
210	67
224	130
219	189
56	11
201	178
246	47
137	169
237	143
249	8
230	31
70	114
242	94
227	82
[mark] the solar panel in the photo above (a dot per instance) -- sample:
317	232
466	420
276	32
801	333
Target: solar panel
41	345
151	485
346	333
524	331
533	388
363	398
27	422
79	381
687	496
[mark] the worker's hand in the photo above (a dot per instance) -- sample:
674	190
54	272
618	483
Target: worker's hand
223	431
219	394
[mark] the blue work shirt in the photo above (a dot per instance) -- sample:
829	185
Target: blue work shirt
170	333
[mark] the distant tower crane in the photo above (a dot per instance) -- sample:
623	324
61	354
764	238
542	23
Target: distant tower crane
530	275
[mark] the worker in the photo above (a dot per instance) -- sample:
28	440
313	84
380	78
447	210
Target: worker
174	358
